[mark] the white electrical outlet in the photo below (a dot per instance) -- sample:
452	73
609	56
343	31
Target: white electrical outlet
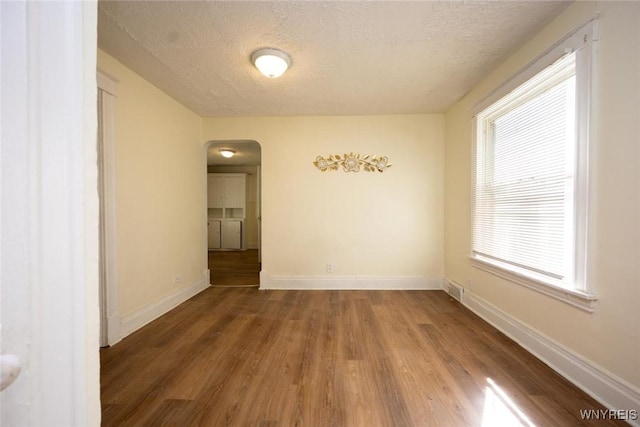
330	268
177	280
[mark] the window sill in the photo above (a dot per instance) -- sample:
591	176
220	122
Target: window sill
582	300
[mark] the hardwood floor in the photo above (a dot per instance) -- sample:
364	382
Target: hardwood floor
245	357
234	268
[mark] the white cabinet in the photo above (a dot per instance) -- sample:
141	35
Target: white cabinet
226	203
215	191
225	234
231	236
214	234
226	195
235	188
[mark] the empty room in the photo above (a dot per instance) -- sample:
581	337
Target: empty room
321	213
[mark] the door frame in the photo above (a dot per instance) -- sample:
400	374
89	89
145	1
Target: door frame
109	314
222	144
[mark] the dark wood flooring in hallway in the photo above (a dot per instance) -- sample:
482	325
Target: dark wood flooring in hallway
245	357
234	268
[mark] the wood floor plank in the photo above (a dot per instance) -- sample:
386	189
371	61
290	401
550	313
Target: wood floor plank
244	357
234	268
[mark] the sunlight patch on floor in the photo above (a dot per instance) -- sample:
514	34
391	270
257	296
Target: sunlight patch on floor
499	410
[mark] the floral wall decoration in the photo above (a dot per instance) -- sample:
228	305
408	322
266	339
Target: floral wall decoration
352	162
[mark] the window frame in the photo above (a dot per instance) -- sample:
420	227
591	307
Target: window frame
583	41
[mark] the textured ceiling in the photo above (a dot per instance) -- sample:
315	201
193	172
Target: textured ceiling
347	57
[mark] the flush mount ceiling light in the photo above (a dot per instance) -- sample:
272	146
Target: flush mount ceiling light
271	62
227	153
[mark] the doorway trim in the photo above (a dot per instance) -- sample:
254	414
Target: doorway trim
109	315
223	144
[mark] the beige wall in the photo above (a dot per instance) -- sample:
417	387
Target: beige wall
160	191
374	224
610	337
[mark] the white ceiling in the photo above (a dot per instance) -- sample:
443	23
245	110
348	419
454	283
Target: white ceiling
387	57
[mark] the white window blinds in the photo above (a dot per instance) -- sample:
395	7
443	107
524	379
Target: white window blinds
524	172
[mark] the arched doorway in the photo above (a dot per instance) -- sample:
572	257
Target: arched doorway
234	219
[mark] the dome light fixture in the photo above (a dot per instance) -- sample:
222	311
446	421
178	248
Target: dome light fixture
227	153
271	62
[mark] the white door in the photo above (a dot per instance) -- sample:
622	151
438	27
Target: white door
49	212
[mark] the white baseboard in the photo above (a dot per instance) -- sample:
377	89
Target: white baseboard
134	321
113	329
348	282
610	390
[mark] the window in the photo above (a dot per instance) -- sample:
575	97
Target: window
530	174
